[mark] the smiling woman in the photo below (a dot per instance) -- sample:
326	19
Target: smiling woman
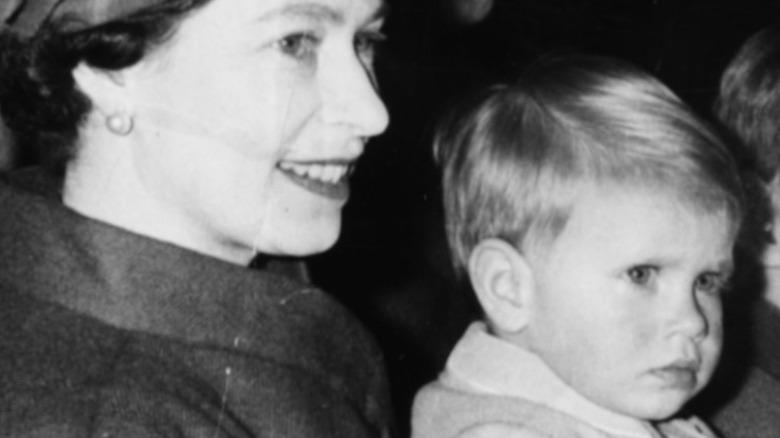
183	139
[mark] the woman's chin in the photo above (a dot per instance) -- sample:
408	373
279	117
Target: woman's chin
299	243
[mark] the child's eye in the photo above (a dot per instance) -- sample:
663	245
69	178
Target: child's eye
710	283
299	45
641	275
366	44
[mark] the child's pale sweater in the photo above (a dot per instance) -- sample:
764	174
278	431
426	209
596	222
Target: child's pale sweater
493	389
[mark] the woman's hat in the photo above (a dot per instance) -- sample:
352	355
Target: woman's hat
25	17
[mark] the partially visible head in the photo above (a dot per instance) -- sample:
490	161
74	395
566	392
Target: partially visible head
748	101
596	217
516	157
748	105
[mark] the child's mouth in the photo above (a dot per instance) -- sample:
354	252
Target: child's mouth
679	375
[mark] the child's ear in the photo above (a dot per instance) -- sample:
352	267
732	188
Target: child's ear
503	282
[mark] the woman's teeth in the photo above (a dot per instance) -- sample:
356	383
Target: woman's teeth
327	173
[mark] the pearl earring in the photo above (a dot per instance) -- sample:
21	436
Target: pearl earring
119	123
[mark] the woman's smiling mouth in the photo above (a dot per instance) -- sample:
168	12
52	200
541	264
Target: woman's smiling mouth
327	179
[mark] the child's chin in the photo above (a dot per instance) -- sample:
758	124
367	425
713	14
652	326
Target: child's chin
657	407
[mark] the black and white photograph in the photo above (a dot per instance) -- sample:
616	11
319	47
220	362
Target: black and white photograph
389	218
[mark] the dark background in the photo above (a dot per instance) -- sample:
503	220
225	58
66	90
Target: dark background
391	265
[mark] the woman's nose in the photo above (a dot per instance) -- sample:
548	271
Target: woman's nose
352	99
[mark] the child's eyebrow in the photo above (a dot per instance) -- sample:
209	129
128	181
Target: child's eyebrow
723	267
381	12
726	268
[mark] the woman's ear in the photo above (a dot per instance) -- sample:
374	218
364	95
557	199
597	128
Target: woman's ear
106	89
503	282
109	95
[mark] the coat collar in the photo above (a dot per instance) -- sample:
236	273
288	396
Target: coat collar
141	284
496	367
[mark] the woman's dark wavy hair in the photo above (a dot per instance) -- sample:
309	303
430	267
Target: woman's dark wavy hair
39	100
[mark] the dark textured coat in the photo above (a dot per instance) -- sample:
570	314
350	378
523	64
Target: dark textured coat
104	333
752	408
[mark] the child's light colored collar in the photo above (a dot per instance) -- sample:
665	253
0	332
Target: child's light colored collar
493	366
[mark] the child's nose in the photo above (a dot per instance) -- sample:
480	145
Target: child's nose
687	317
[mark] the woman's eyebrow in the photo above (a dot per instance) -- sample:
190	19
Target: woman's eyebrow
315	11
307	10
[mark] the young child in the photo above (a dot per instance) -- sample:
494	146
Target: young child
595	216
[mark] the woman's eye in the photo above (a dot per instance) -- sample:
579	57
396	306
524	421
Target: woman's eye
366	44
641	275
710	283
300	45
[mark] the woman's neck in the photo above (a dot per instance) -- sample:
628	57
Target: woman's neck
100	183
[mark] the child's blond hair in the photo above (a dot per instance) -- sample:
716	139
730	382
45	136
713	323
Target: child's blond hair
516	157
